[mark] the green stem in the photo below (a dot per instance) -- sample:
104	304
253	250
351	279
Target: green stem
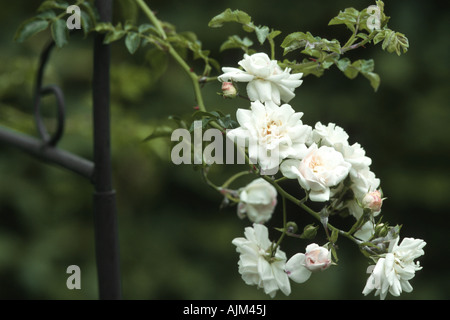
174	54
272	48
274	250
313	213
234	177
151	16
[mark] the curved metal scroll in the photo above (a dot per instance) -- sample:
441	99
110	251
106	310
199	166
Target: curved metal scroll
39	92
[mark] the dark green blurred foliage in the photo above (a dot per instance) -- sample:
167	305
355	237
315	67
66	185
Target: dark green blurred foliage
175	242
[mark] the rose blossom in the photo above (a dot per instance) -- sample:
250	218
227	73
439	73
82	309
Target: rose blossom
257	201
255	265
266	80
272	133
320	169
300	266
393	271
330	135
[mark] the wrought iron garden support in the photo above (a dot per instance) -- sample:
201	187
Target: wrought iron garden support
98	172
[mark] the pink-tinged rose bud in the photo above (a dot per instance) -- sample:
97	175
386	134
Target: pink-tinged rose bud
317	258
229	91
373	201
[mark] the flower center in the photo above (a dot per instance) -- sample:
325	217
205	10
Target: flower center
272	128
316	164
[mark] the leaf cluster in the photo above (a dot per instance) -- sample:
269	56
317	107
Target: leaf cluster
52	15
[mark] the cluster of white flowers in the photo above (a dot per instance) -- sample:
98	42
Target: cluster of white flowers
325	165
393	271
269	270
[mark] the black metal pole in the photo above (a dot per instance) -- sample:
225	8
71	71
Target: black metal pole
105	210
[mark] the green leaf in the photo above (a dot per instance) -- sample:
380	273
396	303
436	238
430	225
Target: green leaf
132	41
349	17
295	41
227	122
60	32
262	33
230	16
273	34
47	15
29	28
104	27
113	36
334	253
234	42
52	4
365	67
146	28
306	67
90	9
374	79
86	22
334	235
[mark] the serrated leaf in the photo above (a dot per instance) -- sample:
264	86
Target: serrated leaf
349	17
297	40
29	28
60	32
234	42
230	16
132	41
262	33
365	67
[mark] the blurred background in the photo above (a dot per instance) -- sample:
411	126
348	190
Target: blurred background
175	241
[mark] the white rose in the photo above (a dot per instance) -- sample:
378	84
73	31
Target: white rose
300	266
364	181
393	271
257	201
272	133
330	135
356	156
266	80
320	169
256	267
